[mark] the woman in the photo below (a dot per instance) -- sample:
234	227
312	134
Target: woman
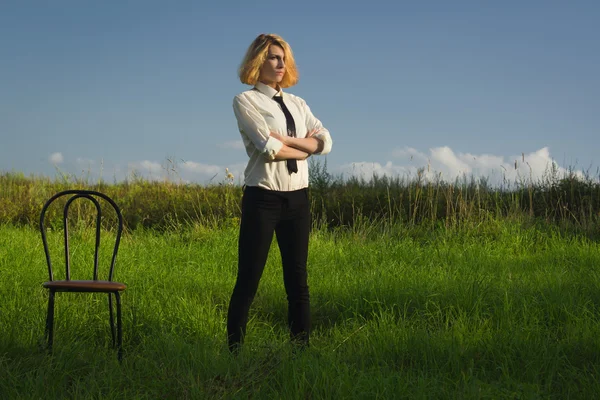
279	132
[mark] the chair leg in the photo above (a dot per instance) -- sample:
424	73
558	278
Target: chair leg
50	320
119	326
112	319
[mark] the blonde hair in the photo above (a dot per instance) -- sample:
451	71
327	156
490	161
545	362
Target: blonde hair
256	55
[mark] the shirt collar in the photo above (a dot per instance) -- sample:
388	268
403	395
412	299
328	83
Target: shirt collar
268	90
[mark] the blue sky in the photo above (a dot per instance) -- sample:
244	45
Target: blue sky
106	88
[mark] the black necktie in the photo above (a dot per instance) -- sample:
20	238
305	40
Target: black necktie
292	165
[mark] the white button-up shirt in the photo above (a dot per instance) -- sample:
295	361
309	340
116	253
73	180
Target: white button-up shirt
257	116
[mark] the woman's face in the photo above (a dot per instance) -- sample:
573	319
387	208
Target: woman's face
273	69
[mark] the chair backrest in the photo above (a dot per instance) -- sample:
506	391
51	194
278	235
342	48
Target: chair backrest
91	195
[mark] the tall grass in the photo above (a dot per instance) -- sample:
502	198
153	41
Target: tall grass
569	201
149	204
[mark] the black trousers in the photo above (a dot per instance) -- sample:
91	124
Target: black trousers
288	215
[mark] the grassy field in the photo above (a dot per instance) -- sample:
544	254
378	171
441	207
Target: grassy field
565	199
500	309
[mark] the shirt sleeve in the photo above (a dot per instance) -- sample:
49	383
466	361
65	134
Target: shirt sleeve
313	123
252	124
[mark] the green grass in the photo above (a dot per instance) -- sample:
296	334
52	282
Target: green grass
499	310
565	199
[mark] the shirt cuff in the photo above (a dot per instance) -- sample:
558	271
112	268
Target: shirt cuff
272	147
327	142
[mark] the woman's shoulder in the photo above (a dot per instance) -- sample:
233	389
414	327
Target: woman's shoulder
295	98
247	95
244	97
244	94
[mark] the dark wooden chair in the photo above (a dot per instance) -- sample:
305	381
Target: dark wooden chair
93	285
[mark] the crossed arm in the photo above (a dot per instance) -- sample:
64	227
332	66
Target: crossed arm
298	148
273	145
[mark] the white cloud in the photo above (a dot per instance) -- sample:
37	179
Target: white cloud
409	152
56	158
455	166
443	163
201	169
232	144
150	166
147	169
366	170
210	173
186	171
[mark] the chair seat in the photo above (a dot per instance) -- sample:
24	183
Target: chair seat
85	286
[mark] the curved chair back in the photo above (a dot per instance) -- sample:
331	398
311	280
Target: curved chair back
92	196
